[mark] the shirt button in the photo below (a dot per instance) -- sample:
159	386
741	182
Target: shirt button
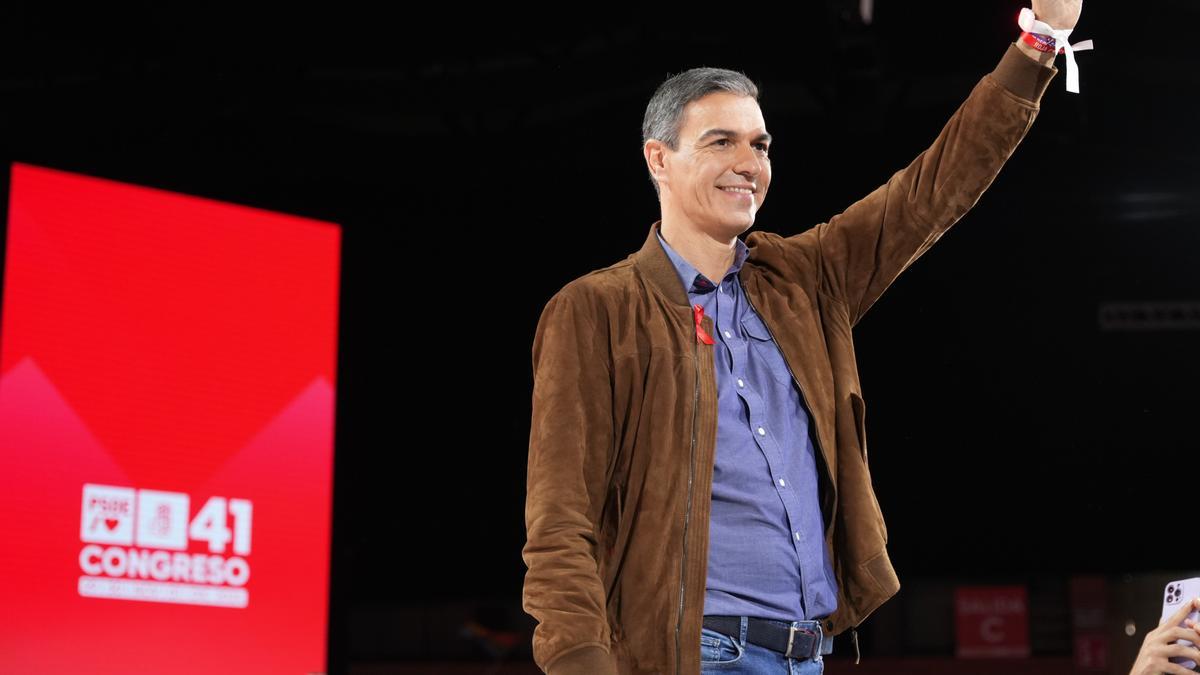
782	483
740	383
762	432
727	334
797	535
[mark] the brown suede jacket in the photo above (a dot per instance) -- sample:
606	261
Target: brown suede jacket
624	424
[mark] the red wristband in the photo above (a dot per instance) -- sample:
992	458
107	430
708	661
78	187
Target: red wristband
1042	43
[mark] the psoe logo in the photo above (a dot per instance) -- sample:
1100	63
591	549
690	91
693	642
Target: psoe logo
136	547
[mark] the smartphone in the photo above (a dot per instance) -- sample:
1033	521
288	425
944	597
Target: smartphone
1174	594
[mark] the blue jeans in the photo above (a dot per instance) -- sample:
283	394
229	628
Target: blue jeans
720	653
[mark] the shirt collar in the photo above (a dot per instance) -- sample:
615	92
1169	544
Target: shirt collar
692	279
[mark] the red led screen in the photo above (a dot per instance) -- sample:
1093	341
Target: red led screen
167	378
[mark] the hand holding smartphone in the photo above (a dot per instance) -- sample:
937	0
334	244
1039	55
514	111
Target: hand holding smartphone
1177	597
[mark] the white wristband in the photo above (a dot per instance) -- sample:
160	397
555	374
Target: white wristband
1030	24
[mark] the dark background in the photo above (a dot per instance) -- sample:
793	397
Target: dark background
1021	422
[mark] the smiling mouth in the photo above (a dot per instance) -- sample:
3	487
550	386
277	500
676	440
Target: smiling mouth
743	196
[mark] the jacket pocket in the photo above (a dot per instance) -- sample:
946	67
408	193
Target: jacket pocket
620	504
860	427
860	422
610	523
615	618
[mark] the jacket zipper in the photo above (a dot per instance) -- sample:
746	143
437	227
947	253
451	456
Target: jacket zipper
687	514
853	631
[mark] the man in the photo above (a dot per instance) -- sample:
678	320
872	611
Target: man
698	489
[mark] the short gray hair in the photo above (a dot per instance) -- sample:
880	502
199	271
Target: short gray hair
664	113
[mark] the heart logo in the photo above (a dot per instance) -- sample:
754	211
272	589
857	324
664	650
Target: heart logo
111	523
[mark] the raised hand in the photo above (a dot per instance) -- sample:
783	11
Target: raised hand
1060	14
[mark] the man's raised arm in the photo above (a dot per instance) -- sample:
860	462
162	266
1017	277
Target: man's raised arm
862	250
570	447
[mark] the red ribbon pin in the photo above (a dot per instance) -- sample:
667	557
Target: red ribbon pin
698	311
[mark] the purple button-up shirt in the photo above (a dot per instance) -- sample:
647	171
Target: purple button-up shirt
767	555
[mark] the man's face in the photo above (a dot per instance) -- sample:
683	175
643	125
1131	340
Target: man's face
723	144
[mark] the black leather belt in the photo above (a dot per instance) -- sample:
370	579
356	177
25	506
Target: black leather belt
804	641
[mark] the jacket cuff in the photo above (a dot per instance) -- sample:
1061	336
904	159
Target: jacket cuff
587	660
1022	75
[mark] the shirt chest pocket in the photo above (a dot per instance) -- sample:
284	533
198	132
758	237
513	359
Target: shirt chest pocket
762	348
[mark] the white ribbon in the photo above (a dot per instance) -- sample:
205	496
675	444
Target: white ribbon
1030	24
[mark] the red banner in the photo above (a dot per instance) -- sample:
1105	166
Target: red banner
991	622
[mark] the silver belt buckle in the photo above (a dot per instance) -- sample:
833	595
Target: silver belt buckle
792	637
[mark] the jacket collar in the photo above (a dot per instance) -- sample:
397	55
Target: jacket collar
693	279
654	262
